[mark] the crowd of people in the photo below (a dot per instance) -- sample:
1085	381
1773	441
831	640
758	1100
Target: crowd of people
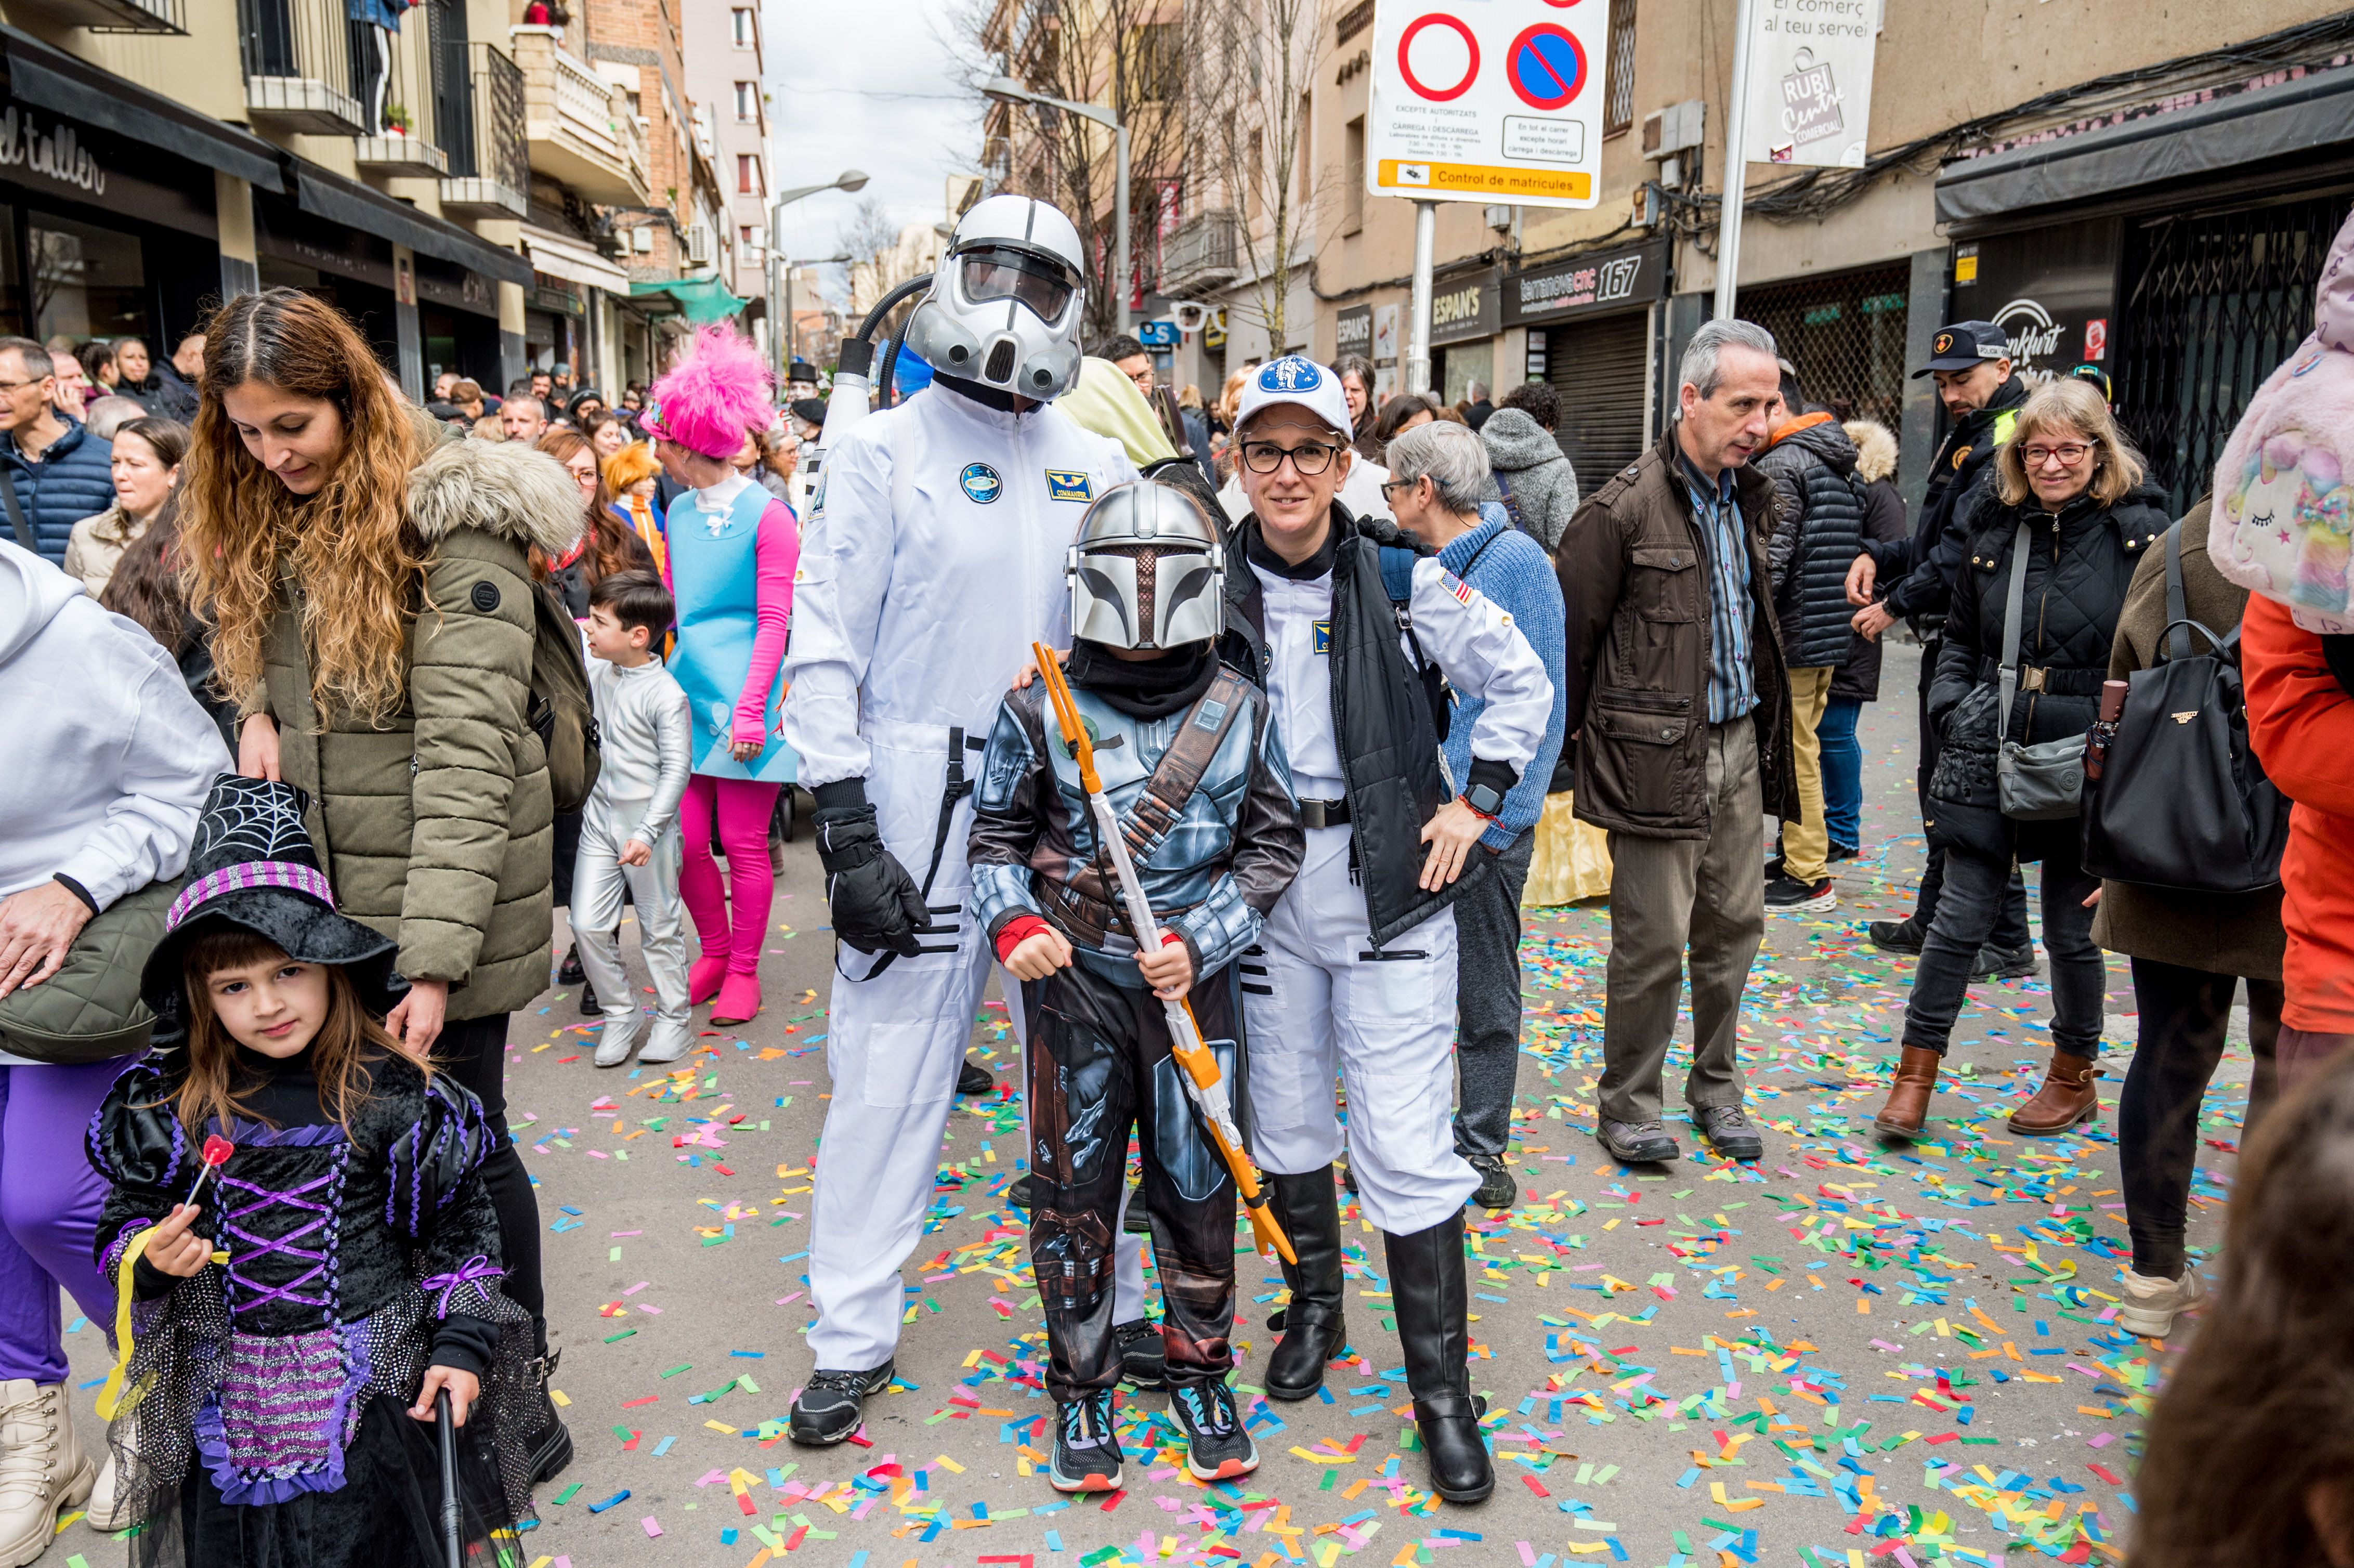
1224	735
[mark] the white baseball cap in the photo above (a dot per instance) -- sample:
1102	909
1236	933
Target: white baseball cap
1297	380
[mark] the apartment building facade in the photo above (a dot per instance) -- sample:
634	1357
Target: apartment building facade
459	179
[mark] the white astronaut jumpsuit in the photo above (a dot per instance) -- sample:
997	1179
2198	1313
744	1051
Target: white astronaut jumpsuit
935	558
1323	995
647	757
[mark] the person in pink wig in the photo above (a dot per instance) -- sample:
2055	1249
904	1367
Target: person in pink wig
733	550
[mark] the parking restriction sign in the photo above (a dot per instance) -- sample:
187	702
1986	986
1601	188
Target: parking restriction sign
1488	100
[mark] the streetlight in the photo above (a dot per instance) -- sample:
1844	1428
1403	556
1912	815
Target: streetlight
792	347
848	180
1007	91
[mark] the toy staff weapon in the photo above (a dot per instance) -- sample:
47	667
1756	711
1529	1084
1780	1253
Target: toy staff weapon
1204	1083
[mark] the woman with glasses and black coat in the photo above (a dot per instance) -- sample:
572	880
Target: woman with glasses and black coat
2071	478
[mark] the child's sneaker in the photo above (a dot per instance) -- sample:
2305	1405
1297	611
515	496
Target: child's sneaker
1087	1454
1216	1446
2150	1304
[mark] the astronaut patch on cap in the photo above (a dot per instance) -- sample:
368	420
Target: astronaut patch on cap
981	483
1290	373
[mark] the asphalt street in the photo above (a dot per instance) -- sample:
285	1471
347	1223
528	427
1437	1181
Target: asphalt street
1850	1352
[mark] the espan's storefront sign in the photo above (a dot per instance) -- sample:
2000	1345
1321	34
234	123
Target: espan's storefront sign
1462	309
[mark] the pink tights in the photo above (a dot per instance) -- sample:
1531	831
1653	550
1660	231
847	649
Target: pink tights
743	807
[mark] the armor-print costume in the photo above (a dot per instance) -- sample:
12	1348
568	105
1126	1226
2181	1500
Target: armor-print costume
1205	798
263	1421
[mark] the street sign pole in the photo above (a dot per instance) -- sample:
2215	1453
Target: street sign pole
1417	332
1736	166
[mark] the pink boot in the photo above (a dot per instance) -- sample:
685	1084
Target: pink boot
739	1000
703	977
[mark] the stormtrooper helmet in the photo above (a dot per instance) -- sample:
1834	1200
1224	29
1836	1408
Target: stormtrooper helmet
1148	570
1004	306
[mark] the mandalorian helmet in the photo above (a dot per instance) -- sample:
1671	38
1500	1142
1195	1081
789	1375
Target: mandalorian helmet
1004	306
1148	570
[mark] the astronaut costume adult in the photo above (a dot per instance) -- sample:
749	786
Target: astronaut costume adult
1346	623
934	557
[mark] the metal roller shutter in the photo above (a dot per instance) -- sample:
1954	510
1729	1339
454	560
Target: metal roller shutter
1598	370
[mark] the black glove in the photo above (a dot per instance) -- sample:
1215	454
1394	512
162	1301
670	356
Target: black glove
876	904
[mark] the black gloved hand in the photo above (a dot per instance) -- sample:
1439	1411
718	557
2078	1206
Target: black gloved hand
876	904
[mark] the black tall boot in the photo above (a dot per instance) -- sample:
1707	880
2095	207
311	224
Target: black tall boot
1427	1289
1313	1331
549	1442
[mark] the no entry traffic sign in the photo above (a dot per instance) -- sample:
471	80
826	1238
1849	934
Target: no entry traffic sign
1487	101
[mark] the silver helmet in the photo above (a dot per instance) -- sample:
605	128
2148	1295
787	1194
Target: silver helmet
1004	306
1148	570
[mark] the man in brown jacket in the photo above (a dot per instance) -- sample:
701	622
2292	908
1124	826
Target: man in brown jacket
1682	716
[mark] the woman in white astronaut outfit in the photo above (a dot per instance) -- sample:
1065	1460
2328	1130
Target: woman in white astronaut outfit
934	557
1348	625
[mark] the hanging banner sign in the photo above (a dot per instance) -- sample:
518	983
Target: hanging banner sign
1810	82
1488	100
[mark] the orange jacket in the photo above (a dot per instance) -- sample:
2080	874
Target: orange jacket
2302	723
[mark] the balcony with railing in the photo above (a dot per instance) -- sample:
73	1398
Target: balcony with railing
490	168
108	16
298	66
577	127
1200	254
392	77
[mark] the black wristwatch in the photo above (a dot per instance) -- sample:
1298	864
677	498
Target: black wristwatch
1484	798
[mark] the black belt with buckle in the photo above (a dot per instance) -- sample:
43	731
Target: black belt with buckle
1323	813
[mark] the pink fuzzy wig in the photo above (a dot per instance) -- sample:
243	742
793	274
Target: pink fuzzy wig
717	391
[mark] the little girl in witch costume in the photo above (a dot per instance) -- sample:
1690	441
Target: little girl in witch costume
285	1334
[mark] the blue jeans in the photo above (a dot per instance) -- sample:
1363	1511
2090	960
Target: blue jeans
1842	772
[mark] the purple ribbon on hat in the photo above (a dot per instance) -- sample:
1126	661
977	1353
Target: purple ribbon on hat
283	874
472	1271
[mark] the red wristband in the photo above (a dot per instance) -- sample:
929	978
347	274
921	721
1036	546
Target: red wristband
1015	932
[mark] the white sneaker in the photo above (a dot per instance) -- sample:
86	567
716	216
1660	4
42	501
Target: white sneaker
614	1045
2150	1304
43	1469
109	1507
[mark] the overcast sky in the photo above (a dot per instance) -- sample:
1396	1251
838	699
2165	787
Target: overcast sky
864	84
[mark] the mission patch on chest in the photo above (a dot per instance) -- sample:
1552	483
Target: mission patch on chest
1068	484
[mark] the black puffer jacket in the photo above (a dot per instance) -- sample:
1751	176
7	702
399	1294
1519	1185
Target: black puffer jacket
2079	564
1818	534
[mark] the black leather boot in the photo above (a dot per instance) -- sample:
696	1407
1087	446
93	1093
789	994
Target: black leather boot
549	1442
1308	1210
1427	1289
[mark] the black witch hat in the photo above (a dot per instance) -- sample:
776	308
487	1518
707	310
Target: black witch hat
252	869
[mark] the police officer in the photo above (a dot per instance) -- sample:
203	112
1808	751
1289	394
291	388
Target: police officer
933	559
1349	628
1914	581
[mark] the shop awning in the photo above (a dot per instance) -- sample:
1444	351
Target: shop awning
2209	139
561	256
354	206
701	301
52	80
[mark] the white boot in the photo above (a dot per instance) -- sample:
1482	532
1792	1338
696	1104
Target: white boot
2150	1304
109	1505
43	1469
620	1037
670	1041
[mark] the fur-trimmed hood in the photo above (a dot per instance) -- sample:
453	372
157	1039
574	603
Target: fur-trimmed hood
1875	449
508	489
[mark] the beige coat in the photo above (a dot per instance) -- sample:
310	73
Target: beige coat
97	546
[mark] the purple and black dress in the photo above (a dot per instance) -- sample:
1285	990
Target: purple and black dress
264	1423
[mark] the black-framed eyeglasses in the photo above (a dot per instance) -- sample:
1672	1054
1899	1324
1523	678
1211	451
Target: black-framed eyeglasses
1309	458
1390	485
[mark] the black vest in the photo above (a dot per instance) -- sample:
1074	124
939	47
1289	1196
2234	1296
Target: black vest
1381	717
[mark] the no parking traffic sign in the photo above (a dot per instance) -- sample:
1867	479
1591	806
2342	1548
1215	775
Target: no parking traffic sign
1488	100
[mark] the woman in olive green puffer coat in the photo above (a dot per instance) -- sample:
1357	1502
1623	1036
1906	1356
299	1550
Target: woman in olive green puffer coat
373	611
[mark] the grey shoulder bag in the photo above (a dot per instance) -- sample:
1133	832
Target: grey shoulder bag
2034	783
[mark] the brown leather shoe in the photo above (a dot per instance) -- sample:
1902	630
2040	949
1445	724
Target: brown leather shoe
1908	1096
2067	1098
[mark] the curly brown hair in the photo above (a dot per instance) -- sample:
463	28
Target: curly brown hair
353	554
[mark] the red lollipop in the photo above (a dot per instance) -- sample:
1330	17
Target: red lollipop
215	1155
